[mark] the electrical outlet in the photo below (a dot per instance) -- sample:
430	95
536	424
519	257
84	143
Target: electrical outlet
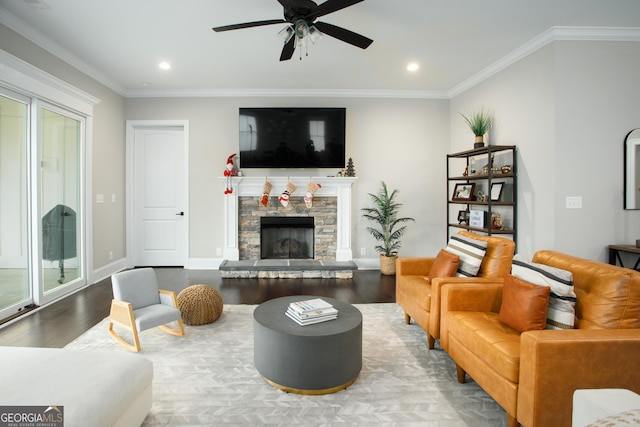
110	255
363	251
218	251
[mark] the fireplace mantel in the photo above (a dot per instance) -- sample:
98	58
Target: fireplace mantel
246	186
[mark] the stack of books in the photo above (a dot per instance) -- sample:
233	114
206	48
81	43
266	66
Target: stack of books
311	311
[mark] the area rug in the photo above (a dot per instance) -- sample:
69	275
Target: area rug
207	377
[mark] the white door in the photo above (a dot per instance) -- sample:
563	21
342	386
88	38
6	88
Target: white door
160	204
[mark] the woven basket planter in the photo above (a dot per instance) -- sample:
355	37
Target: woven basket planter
200	304
388	264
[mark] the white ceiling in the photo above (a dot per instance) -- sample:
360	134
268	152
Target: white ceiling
121	42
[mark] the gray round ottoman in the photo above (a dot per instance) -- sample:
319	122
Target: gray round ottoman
313	359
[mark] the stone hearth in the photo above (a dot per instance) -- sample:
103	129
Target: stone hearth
287	269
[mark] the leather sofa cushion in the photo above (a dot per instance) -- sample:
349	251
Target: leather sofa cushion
562	299
524	305
494	343
445	265
417	289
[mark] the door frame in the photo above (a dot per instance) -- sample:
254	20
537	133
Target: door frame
131	127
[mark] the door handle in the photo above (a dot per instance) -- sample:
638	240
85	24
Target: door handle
180	214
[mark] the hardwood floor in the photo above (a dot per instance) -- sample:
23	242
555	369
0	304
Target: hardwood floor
60	323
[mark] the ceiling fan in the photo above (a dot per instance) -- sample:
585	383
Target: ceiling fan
302	15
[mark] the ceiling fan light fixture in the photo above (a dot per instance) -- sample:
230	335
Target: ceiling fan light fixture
314	34
286	33
302	29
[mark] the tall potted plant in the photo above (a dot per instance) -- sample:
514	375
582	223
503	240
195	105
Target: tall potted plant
389	227
479	122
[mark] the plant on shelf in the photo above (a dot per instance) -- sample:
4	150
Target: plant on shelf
389	228
479	122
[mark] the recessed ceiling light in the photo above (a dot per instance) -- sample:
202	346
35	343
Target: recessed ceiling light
145	83
413	66
164	66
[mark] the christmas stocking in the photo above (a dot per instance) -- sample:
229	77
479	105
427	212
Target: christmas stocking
284	197
311	190
264	200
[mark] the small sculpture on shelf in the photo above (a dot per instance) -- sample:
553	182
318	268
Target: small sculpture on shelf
496	221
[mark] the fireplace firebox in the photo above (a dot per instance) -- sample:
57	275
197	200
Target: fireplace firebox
287	237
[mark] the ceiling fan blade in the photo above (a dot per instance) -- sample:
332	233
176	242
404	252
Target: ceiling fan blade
248	25
344	35
287	4
288	49
331	6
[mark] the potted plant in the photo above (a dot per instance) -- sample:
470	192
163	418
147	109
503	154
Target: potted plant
479	122
389	228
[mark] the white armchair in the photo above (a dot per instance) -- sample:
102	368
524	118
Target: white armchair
138	305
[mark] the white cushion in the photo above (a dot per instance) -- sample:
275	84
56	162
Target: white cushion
562	300
470	251
605	407
95	388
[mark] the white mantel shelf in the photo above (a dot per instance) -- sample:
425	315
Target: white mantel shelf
251	186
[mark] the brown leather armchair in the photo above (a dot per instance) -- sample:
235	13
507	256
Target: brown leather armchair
533	375
419	297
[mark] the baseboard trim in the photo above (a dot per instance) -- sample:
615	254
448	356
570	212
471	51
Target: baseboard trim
107	270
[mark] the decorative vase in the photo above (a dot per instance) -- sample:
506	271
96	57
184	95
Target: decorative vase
388	264
479	143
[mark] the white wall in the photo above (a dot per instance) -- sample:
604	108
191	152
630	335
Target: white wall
568	108
400	141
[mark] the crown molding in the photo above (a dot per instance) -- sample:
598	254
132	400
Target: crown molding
289	93
27	31
24	77
618	34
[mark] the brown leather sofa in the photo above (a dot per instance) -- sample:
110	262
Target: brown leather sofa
419	297
533	375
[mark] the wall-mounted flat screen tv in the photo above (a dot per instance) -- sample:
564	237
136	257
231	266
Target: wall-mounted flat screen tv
292	138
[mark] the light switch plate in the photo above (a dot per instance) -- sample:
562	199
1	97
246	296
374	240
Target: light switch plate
574	202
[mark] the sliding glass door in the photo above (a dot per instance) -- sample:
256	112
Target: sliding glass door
60	201
41	203
15	282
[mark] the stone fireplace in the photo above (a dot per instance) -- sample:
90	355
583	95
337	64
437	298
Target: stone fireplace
331	213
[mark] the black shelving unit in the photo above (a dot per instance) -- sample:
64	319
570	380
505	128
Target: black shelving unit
484	167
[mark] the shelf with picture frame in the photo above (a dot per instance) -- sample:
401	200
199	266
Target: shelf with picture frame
483	182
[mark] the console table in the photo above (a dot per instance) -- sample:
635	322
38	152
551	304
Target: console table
614	254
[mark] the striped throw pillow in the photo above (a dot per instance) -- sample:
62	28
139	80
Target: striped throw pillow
562	300
470	251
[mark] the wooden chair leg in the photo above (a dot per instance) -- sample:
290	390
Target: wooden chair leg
135	347
122	314
407	319
431	342
178	332
461	374
512	421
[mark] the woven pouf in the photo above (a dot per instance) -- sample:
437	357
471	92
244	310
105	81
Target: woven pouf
199	305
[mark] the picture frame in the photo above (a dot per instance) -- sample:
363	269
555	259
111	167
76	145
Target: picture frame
463	192
496	190
476	218
463	217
